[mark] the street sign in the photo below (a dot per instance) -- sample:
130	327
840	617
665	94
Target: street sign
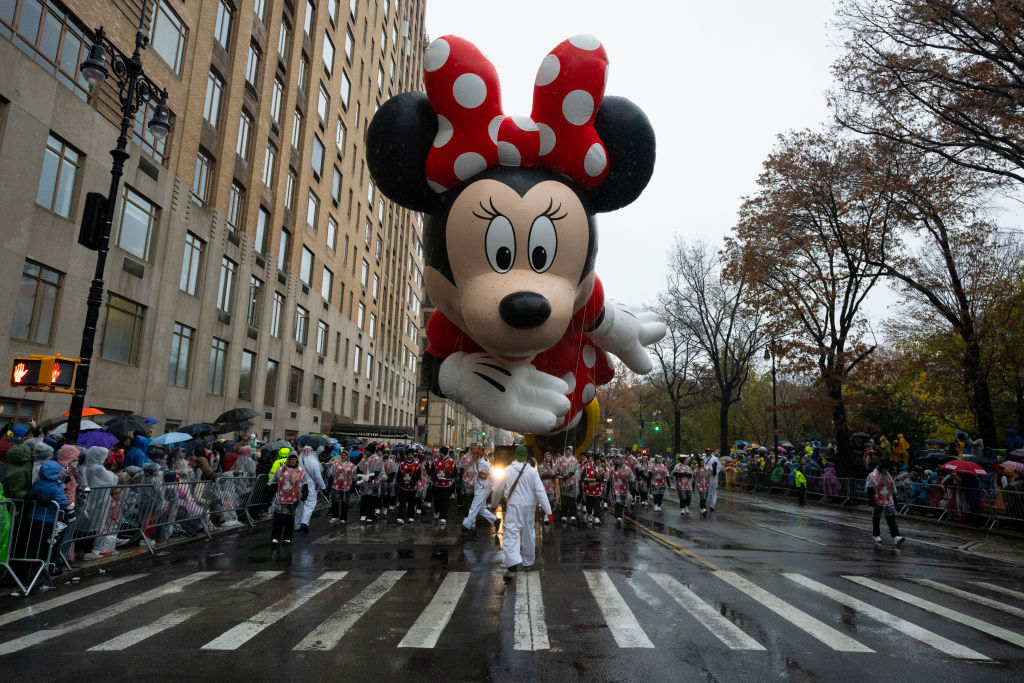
44	373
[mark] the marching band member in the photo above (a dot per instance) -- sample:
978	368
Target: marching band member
342	473
466	478
702	480
593	487
370	474
659	482
621	477
442	473
410	474
568	478
548	475
683	476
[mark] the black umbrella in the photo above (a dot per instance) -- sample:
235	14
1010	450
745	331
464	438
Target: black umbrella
51	423
861	435
276	445
236	415
123	426
221	428
197	429
935	442
314	440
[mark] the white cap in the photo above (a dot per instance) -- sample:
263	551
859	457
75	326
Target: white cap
252	436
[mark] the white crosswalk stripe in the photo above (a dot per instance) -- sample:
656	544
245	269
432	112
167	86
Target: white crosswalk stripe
925	636
1000	589
973	597
624	627
101	615
983	626
328	634
65	599
136	636
256	579
722	628
430	624
242	633
818	629
530	632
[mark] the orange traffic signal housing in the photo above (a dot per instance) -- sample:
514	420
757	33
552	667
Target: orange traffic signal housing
44	373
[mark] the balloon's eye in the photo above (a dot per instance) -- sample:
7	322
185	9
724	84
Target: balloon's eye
501	244
543	243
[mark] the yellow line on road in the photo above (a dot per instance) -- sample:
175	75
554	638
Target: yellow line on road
662	540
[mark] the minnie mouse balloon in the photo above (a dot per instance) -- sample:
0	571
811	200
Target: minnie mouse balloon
522	327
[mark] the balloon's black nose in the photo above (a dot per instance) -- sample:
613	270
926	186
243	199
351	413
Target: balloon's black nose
524	310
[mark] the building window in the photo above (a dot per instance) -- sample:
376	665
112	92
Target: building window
301	324
244	144
356	359
318	391
310	12
369	367
122	330
269	164
312	211
297	129
295	385
306	266
255	302
252	65
214	95
275	315
156	148
322	335
361	316
58	178
318	157
367	232
364	277
380	79
327	284
328	54
379	248
167	35
332	10
201	179
332	233
218	356
376	285
339	137
19	412
354	407
262	231
36	305
323	102
260	10
275	101
284	250
336	186
49	36
303	74
136	223
289	190
222	29
236	207
270	383
283	39
181	351
349	44
346	88
226	288
373	325
191	264
245	375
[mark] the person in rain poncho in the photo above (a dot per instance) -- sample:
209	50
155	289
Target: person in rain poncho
683	476
569	483
289	487
879	486
523	492
314	481
713	465
829	481
481	491
96	510
659	482
41	452
17	479
136	455
342	473
901	450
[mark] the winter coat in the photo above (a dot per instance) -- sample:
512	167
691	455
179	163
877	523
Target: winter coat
136	455
48	486
17	479
800	479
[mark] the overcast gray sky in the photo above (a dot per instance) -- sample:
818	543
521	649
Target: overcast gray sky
719	80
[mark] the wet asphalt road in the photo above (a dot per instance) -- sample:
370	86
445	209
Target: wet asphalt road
761	589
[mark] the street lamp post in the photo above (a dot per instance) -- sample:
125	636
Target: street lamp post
134	89
769	352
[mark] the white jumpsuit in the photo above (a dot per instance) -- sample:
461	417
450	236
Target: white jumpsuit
315	481
715	466
520	535
481	491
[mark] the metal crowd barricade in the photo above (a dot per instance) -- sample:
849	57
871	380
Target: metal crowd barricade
34	531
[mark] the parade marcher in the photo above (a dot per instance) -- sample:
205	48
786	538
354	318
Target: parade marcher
314	481
713	465
523	492
659	482
702	480
465	481
621	477
548	475
593	486
481	492
683	476
369	475
801	484
409	478
423	485
442	473
342	473
568	479
879	486
388	485
289	490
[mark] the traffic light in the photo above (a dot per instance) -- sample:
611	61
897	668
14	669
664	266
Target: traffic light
657	426
423	405
44	373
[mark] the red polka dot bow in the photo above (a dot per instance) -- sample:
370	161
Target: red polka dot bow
473	134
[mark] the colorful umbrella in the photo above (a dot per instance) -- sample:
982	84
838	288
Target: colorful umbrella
964	467
97	437
171	437
88	412
1012	465
86	425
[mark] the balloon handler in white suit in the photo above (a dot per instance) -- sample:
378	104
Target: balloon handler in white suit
524	491
481	492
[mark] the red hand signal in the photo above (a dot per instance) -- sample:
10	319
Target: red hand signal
55	374
19	372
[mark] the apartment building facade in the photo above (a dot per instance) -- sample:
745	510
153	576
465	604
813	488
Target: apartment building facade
252	261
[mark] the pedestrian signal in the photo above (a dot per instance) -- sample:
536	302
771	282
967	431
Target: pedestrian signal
44	373
423	405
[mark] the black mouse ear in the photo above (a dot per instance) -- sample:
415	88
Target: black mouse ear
628	137
397	141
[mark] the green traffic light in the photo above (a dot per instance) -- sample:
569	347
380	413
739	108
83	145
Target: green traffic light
657	428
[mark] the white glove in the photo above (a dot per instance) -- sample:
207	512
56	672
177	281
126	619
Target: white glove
625	331
522	399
